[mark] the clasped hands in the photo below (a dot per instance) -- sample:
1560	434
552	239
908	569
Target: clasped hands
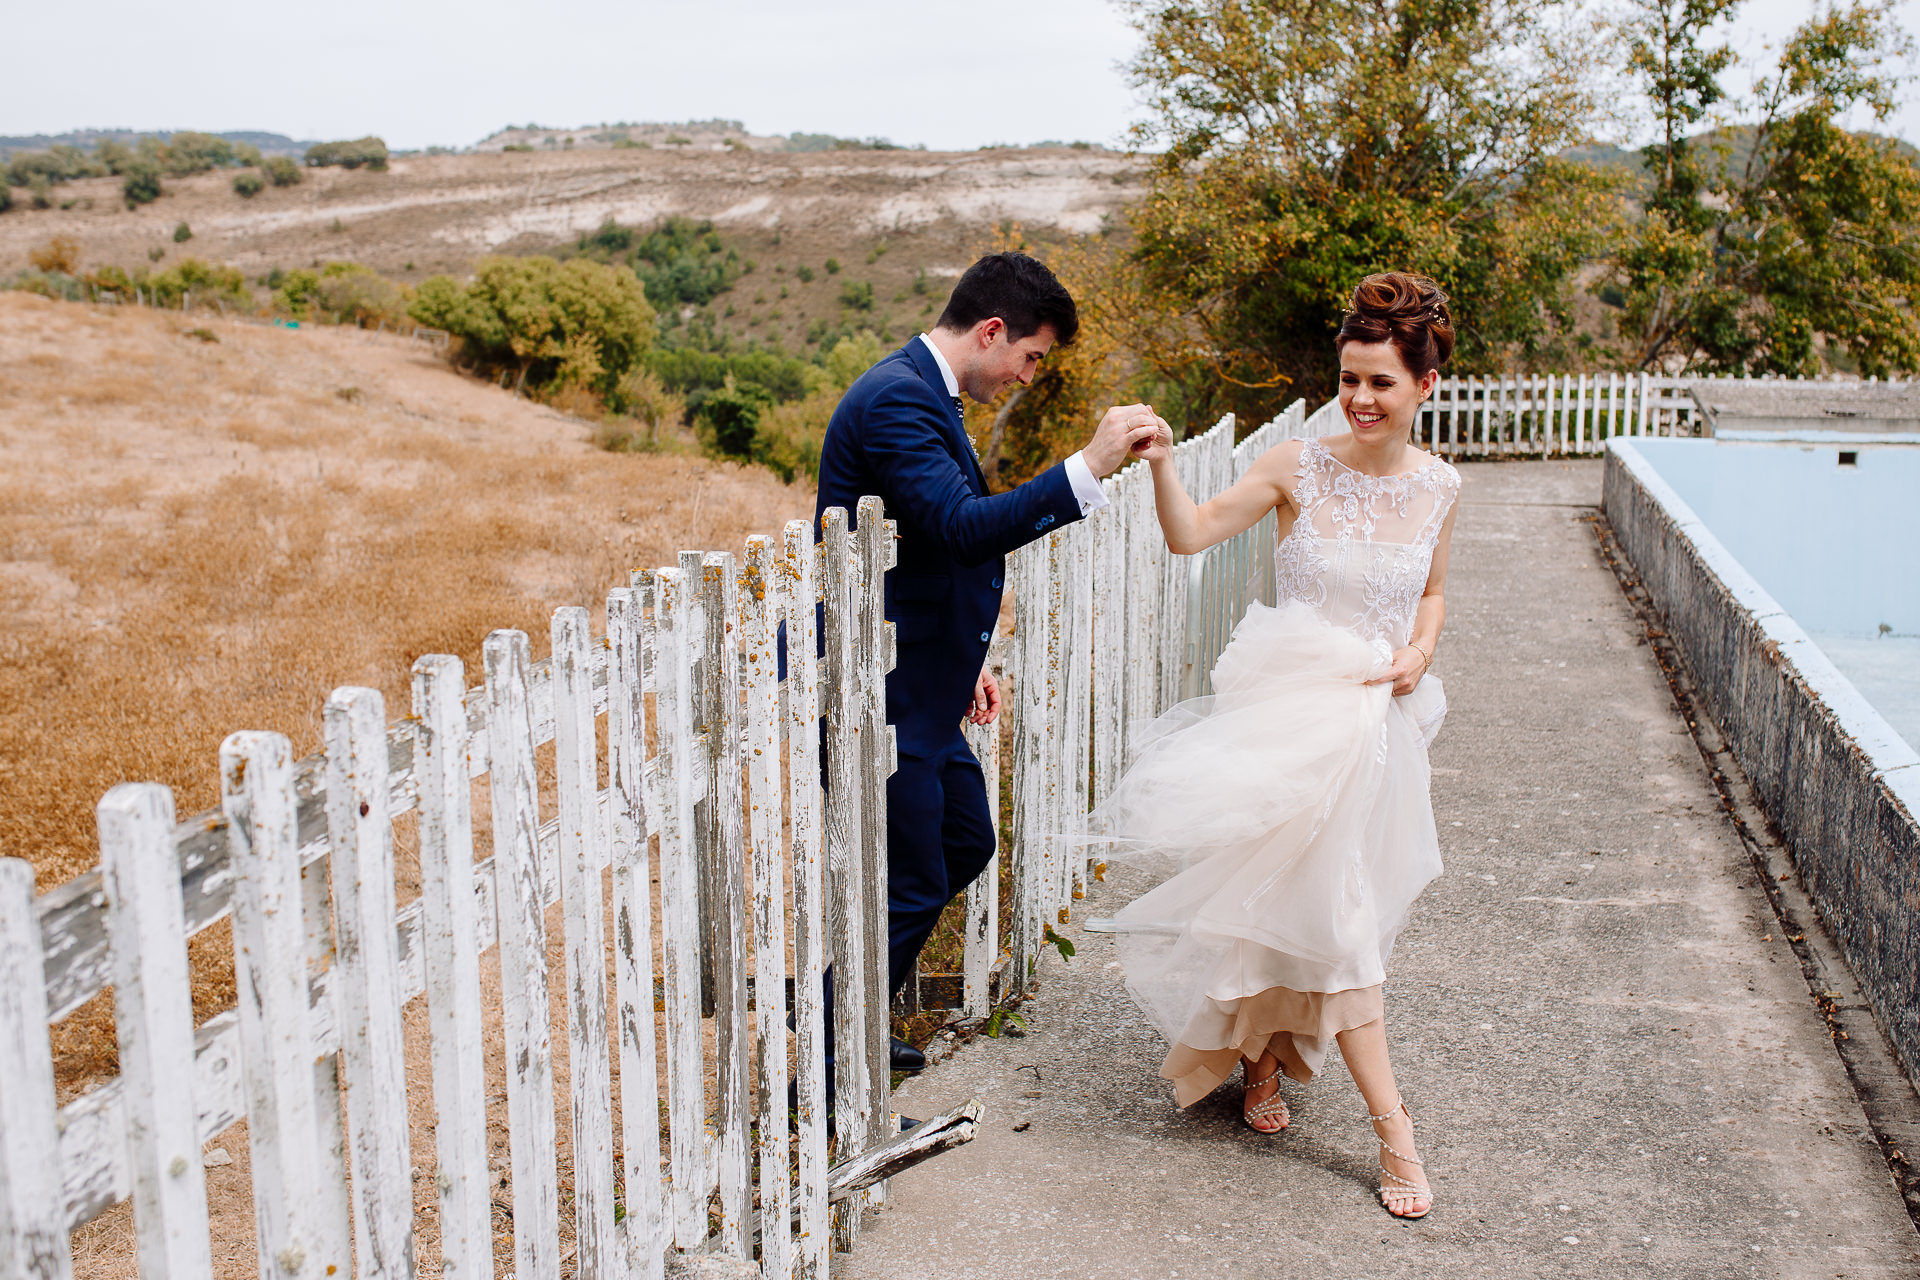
1125	431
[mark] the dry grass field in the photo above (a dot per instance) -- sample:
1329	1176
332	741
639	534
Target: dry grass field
200	536
207	525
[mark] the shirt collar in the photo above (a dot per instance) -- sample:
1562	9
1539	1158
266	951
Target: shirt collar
953	383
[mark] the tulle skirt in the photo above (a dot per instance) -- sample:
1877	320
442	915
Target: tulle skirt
1290	811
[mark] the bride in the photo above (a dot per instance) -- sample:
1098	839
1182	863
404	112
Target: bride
1292	803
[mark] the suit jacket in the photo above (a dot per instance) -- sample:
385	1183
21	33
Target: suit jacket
897	434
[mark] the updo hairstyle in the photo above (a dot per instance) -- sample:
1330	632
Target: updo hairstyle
1408	310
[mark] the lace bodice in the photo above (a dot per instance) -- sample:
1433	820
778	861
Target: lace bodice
1361	547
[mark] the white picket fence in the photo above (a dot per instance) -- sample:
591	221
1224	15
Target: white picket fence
301	855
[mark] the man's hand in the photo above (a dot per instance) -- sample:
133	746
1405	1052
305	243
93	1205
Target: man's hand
1123	427
986	700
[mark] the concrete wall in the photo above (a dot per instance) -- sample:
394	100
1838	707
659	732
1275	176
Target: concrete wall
1841	786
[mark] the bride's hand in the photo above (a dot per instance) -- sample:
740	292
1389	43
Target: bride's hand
1159	446
1409	665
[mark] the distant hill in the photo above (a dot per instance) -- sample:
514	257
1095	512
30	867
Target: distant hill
270	144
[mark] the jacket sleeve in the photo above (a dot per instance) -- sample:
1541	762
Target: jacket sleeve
924	486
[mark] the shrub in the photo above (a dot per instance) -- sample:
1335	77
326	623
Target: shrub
113	155
143	183
188	153
857	294
804	272
293	290
37	192
203	282
684	263
182	232
111	279
833	266
62	253
728	419
356	294
369	151
577	323
248	185
281	171
6	198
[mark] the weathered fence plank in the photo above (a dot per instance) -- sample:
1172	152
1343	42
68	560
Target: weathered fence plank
676	641
453	967
810	944
846	848
33	1228
367	989
523	958
153	1019
646	1238
761	606
725	871
295	1227
873	659
576	762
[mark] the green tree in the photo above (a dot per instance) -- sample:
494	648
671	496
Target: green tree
729	418
555	324
187	153
1806	247
281	171
142	184
248	185
1305	143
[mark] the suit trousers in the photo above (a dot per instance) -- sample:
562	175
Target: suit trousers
940	838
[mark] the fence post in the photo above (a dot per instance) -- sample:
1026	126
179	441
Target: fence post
646	1240
676	642
809	893
760	609
521	905
576	764
840	708
153	1019
453	967
33	1227
722	869
367	975
294	1232
876	551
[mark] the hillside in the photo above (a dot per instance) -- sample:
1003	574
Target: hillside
885	216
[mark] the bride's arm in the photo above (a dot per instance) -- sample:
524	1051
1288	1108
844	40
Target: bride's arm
1191	527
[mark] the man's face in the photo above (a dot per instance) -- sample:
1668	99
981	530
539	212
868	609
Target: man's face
1000	363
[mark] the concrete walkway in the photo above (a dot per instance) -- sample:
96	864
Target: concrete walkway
1615	1070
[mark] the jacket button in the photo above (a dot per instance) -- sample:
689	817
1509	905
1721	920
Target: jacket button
996	584
985	637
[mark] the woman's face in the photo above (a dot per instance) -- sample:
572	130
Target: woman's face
1378	393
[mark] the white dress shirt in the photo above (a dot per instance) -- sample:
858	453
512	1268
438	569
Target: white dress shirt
1086	490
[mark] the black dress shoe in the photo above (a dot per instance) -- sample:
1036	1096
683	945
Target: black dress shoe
903	1056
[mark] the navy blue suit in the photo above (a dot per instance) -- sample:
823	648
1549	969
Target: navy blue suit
897	434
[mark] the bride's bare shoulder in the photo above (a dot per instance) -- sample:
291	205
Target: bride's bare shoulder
1282	461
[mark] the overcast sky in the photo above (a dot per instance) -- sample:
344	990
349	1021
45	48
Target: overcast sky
947	75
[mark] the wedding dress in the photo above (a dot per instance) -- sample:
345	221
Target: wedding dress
1292	804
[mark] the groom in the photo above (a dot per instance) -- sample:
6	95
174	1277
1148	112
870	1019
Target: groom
900	433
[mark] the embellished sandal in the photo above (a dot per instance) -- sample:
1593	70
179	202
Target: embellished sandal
1272	1107
1398	1194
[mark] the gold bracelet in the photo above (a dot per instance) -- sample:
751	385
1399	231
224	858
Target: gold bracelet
1426	659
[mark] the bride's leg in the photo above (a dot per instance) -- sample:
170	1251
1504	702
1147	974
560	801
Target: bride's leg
1365	1051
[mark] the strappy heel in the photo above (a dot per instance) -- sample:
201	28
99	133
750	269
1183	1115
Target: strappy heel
1272	1107
1398	1193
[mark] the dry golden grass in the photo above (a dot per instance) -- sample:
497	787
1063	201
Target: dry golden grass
202	537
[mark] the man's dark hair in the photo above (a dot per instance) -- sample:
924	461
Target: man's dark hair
1020	291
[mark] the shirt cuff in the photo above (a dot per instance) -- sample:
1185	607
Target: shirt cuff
1086	490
